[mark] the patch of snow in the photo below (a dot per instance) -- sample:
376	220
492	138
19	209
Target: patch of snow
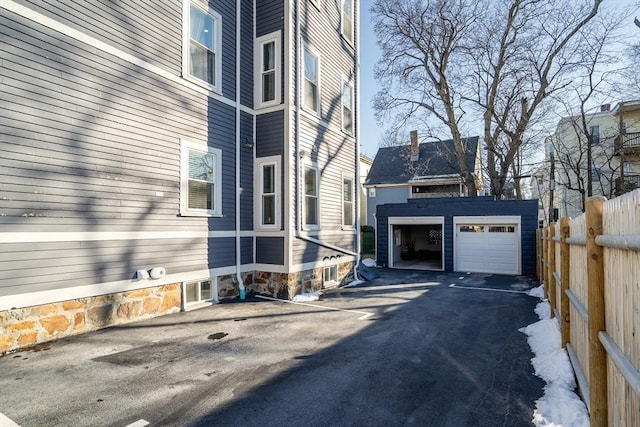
307	296
560	405
460	278
453	285
369	262
536	292
354	283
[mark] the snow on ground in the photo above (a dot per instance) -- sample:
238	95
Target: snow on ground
307	296
560	405
354	283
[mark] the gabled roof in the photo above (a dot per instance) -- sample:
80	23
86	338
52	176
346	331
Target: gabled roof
393	165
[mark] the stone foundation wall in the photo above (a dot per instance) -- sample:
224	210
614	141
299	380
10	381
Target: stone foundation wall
286	286
25	327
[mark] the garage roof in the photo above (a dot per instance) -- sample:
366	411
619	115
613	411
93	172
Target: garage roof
393	165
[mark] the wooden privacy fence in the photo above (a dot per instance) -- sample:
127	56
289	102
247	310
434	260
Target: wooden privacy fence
590	268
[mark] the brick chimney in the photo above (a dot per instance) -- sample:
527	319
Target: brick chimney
415	147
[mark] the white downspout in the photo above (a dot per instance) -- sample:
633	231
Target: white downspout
238	241
358	201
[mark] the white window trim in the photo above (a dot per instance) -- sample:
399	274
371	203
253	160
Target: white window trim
274	37
258	177
345	82
185	146
306	226
186	36
353	203
190	305
318	110
349	38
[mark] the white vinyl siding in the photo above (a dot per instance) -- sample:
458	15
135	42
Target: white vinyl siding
201	180
202	50
267	73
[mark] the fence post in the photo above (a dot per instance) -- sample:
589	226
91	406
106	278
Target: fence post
565	271
538	254
552	269
545	261
597	353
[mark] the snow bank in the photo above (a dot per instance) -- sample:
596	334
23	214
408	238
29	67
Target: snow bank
559	406
536	292
354	283
369	262
307	296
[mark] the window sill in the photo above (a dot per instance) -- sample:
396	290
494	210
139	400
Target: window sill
200	214
203	84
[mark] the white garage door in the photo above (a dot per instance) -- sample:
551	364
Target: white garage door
487	246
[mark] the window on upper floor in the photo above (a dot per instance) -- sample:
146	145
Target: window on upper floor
347	19
347	107
268	192
311	190
200	180
594	131
202	50
311	90
267	54
347	202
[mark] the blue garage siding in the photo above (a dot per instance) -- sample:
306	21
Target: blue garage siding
451	207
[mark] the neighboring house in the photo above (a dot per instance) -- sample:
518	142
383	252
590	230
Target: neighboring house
613	137
429	169
365	167
159	156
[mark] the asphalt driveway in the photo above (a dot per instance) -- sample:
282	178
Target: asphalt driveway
405	349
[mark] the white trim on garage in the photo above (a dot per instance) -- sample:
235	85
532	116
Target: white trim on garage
514	264
411	220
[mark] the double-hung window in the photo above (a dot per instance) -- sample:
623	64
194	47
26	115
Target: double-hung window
347	202
311	189
202	51
311	95
347	107
268	192
347	19
201	180
267	54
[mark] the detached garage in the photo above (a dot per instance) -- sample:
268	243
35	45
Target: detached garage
466	234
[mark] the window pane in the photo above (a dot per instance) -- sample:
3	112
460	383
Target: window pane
268	86
200	195
268	56
310	96
206	290
472	228
201	166
310	67
347	120
311	210
268	209
502	229
191	292
347	209
268	179
202	28
202	64
310	184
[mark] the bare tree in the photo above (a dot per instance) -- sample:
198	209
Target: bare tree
464	62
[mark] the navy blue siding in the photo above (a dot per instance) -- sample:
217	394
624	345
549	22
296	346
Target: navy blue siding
269	16
270	134
246	172
246	250
222	252
270	250
246	58
449	207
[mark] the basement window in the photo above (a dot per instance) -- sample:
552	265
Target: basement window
199	291
330	274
